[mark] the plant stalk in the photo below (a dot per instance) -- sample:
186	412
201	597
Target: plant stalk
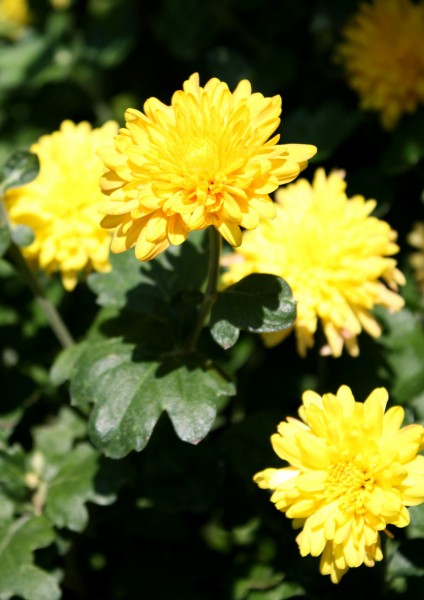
55	320
215	244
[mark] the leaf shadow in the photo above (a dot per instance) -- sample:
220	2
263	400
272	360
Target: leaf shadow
249	304
178	270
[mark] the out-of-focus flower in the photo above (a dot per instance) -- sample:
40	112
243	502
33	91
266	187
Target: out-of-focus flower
204	160
14	16
383	55
416	239
61	204
332	254
60	4
353	471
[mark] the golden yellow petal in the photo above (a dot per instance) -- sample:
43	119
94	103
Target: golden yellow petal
230	232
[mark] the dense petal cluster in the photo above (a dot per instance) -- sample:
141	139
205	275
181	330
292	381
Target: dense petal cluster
204	160
416	239
14	16
353	471
61	204
383	55
332	253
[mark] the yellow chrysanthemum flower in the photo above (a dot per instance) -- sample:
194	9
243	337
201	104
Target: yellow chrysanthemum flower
204	160
14	15
416	239
383	55
332	254
352	472
61	204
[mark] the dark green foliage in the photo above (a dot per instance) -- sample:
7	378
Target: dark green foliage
126	460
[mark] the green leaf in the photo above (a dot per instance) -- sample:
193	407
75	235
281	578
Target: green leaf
57	437
262	583
62	367
12	474
22	235
21	168
416	527
17	59
66	474
72	486
403	342
7	510
130	391
258	303
149	287
405	559
18	575
5	238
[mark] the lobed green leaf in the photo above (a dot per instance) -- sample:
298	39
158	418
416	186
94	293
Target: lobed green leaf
18	575
72	486
130	390
66	472
258	303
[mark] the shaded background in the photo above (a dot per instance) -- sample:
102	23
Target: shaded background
189	523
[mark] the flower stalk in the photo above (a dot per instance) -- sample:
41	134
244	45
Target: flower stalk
54	319
215	245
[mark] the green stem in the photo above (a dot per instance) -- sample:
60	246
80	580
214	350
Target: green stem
49	310
55	320
215	244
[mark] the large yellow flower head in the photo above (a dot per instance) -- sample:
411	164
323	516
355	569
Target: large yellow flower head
204	160
352	472
61	204
332	253
383	55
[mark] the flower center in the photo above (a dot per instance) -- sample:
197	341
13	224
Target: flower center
349	484
205	180
201	159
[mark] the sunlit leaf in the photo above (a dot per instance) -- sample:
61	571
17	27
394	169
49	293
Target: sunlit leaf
21	168
130	391
258	303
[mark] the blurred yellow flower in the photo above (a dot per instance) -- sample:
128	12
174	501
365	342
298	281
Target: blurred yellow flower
332	254
14	15
60	4
383	55
61	204
204	160
416	239
352	472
